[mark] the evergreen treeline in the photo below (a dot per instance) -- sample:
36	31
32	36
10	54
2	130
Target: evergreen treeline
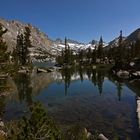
89	56
4	57
68	57
119	55
122	53
21	52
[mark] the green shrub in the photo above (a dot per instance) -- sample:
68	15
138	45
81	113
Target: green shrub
37	126
76	132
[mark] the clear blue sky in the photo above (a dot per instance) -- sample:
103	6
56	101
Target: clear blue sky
82	20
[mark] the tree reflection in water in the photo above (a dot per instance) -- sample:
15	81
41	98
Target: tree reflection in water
66	75
119	90
96	76
3	83
24	88
100	80
118	83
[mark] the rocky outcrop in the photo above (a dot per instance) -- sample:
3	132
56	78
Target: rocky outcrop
123	74
102	137
39	70
134	36
42	44
3	134
90	136
136	74
40	40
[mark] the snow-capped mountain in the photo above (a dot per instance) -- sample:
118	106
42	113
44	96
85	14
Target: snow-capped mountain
42	44
76	46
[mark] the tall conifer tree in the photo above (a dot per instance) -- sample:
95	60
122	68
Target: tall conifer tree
3	47
21	53
100	49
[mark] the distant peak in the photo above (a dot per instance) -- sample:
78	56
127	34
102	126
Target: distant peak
134	36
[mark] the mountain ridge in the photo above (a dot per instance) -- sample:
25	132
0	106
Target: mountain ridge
42	43
38	38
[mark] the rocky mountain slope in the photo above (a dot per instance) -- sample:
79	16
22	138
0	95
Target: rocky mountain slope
132	38
75	45
40	41
42	44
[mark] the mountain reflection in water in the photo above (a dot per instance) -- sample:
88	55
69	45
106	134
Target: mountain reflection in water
92	98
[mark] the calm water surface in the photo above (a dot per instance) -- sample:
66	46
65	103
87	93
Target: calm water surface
92	98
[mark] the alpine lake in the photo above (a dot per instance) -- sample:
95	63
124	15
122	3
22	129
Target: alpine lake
93	98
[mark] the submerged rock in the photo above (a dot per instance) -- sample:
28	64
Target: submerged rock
102	137
3	76
123	74
41	70
1	124
22	71
50	70
88	134
3	134
138	111
93	67
136	74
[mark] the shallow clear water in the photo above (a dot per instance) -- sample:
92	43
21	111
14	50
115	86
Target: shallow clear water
92	98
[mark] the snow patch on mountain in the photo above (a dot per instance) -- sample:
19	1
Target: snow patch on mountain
76	46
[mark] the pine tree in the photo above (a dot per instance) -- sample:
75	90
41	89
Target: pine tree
132	50
27	45
81	56
94	53
67	53
120	46
89	54
130	53
119	51
21	52
111	54
60	58
100	49
3	47
137	49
